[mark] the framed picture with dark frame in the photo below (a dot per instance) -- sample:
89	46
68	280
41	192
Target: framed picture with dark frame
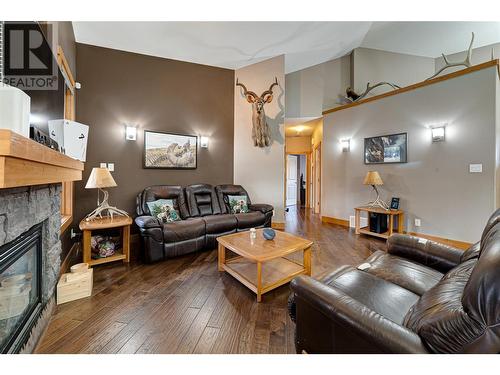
386	149
170	151
395	203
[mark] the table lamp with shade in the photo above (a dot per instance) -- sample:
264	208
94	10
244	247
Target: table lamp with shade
101	178
373	178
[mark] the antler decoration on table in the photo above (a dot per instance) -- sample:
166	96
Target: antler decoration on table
466	62
260	130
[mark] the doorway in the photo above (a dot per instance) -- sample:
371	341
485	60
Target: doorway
297	166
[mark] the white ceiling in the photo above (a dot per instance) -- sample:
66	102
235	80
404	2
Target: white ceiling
233	45
299	127
430	39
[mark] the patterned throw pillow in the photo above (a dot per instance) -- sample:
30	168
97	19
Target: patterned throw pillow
238	204
163	210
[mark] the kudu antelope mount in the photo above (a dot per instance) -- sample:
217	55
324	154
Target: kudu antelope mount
260	130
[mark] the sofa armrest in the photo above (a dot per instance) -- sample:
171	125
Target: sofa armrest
262	207
345	314
147	222
429	253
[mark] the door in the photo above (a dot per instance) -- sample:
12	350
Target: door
317	179
291	180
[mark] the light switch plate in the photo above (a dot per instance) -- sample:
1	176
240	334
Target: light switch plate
475	168
418	222
111	167
102	165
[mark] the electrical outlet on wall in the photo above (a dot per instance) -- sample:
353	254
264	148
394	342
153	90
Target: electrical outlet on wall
102	165
418	222
475	168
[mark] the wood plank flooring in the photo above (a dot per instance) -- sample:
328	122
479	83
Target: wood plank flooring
184	305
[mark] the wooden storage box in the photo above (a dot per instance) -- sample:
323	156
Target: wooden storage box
75	285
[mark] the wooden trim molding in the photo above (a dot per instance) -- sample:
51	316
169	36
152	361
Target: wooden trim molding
72	254
334	220
442	78
69	114
63	63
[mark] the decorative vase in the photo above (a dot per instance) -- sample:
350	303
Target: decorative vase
268	233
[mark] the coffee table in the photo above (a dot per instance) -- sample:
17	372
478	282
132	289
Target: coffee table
260	264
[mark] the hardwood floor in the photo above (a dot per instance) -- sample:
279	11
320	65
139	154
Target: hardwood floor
184	305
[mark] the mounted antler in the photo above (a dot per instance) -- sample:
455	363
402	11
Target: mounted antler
260	130
370	88
250	95
466	62
269	92
351	96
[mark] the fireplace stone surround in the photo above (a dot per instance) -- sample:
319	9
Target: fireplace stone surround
20	209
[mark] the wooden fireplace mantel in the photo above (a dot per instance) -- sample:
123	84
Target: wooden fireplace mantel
24	162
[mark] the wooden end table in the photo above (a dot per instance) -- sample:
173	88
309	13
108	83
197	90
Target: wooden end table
260	264
106	222
392	213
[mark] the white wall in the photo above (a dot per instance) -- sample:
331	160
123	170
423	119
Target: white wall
261	170
435	185
374	66
312	90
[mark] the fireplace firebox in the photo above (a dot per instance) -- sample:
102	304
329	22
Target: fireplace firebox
20	288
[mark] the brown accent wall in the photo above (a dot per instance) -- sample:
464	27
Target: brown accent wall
157	94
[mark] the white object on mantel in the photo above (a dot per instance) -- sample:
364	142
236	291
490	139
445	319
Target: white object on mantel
15	107
71	136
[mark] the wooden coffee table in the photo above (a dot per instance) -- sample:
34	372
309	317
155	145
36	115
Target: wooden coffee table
261	265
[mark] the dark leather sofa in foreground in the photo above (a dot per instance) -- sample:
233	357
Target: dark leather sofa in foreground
205	215
419	297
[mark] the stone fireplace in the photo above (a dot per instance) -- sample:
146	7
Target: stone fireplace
29	216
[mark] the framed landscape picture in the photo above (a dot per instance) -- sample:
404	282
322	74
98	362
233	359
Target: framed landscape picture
386	149
170	151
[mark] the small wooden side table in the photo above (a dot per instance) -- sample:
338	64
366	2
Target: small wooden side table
106	222
366	230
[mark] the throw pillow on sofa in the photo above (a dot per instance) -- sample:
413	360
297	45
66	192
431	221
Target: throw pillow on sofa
238	204
163	210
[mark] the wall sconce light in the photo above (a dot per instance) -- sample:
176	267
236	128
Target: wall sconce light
204	142
438	134
346	144
130	133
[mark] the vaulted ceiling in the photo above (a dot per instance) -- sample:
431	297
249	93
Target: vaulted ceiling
236	44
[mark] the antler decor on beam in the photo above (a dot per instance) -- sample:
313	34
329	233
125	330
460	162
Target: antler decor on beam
353	97
370	88
260	130
448	64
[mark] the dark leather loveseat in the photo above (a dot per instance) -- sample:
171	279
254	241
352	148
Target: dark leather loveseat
205	215
419	297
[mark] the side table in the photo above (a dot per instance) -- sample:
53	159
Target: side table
106	222
391	213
